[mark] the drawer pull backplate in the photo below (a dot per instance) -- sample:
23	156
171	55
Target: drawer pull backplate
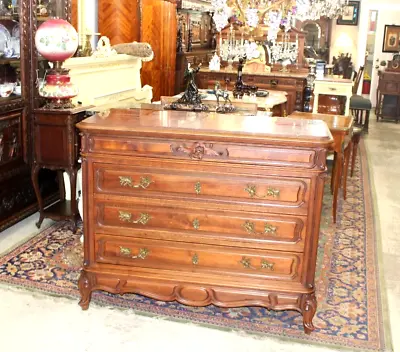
143	252
250	227
127	217
271	192
265	264
128	182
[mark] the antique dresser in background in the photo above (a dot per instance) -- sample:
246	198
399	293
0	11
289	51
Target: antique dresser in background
293	84
203	208
388	94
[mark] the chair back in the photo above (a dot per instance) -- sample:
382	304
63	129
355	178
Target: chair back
357	79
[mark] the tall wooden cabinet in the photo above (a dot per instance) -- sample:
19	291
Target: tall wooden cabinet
151	21
158	27
18	97
118	20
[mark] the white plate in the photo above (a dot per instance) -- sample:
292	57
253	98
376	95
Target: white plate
15	31
4	37
4	33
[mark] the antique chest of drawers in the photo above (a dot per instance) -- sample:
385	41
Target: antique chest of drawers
203	208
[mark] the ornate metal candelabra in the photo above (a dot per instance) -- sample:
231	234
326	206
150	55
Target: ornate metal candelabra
285	52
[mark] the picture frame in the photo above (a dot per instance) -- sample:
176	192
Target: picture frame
391	39
350	14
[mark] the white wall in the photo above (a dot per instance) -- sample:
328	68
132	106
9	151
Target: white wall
388	13
344	40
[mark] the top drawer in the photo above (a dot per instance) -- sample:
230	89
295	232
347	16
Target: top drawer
175	180
194	150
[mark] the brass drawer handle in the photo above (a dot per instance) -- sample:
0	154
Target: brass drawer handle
265	264
271	192
143	252
333	89
274	82
127	217
128	182
250	227
195	259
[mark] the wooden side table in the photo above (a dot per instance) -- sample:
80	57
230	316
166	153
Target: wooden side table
56	147
333	86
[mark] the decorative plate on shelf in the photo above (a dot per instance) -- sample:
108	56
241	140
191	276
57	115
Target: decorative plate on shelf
4	37
16	31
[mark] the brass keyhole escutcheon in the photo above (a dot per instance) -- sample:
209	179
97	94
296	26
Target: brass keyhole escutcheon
197	187
196	224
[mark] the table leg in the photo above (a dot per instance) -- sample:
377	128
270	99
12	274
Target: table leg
61	184
336	186
35	182
333	172
347	106
315	106
346	167
366	122
74	206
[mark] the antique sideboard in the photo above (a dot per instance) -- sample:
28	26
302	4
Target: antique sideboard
203	208
292	83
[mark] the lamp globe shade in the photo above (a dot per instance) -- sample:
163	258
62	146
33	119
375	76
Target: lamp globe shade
56	40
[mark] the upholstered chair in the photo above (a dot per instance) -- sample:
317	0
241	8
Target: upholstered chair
360	107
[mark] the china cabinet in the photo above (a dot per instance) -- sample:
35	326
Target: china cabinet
19	67
196	40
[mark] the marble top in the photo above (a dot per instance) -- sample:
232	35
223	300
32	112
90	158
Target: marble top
209	126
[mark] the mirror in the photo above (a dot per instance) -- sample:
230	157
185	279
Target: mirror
316	45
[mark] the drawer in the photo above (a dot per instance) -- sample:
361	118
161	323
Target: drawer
144	218
177	180
207	151
167	255
333	89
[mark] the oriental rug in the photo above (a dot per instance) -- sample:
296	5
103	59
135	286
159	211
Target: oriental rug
349	314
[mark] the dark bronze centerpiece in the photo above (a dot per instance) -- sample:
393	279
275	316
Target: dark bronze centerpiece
190	100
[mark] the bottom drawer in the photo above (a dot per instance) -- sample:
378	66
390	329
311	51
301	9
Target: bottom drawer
180	256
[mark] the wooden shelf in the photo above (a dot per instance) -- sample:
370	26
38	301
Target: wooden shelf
11	60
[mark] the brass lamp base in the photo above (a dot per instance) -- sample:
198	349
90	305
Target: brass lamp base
60	103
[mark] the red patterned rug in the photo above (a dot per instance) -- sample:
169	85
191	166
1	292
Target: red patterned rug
349	313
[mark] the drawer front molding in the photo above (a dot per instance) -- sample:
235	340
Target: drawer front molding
266	231
264	190
158	254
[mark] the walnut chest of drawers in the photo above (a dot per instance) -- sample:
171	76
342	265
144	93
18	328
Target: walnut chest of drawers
203	208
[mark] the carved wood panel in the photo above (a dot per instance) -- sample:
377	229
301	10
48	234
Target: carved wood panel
10	138
119	20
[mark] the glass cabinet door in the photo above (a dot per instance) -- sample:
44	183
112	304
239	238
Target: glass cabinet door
10	50
43	11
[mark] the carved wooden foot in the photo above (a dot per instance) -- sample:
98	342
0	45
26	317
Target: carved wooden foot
39	223
85	285
309	307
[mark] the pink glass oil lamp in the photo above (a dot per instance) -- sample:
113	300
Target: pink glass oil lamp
57	40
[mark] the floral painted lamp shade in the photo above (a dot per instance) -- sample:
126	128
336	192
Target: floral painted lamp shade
56	40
